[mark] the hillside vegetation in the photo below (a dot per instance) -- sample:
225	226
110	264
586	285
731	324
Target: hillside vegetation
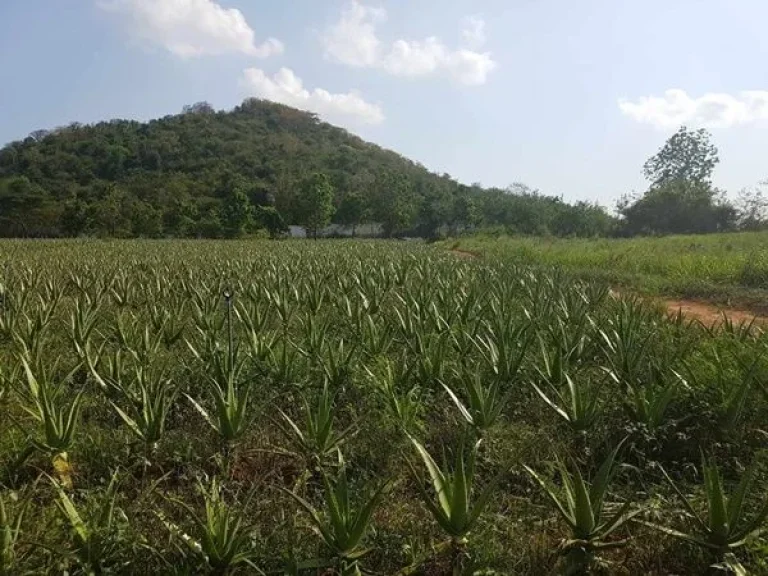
259	166
729	268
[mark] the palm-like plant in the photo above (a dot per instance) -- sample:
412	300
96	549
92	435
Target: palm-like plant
732	394
32	326
555	363
627	343
648	403
576	403
318	440
485	402
99	541
505	347
43	400
232	414
7	377
404	406
582	508
376	337
345	526
283	359
106	369
454	505
725	528
633	364
82	324
149	401
170	323
432	353
222	540
140	342
10	531
336	363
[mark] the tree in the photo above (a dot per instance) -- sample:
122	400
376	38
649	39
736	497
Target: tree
146	220
112	214
435	208
394	203
236	211
352	210
208	223
753	208
316	203
681	198
261	194
528	211
26	209
687	155
583	220
179	210
113	166
74	217
436	205
678	208
271	220
39	135
198	108
464	213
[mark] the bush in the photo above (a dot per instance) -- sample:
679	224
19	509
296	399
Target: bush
754	273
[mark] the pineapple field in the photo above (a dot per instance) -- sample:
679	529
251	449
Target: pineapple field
350	407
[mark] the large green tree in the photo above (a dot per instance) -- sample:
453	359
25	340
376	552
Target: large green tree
394	203
236	211
681	198
316	203
688	156
352	210
26	209
435	207
271	220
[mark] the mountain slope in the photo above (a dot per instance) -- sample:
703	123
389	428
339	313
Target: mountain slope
178	175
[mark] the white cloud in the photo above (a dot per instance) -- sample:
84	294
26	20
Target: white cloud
712	110
414	57
473	32
287	88
189	28
471	68
353	41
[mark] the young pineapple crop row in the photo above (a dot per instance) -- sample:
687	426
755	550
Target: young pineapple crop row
356	407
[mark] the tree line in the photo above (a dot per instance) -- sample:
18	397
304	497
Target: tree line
263	166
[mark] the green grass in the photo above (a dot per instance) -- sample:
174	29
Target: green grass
724	268
134	321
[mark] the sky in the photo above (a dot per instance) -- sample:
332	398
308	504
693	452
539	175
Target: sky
567	97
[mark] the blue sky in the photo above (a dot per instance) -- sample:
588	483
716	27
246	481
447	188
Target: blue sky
568	97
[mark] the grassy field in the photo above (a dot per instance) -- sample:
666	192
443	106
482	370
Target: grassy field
338	407
724	268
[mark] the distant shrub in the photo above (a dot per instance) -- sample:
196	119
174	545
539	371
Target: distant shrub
754	273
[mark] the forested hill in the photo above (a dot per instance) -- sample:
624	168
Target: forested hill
227	173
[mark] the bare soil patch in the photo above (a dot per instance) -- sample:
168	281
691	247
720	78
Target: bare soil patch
710	314
465	254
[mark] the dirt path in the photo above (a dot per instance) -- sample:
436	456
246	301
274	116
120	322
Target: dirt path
705	312
710	314
465	254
